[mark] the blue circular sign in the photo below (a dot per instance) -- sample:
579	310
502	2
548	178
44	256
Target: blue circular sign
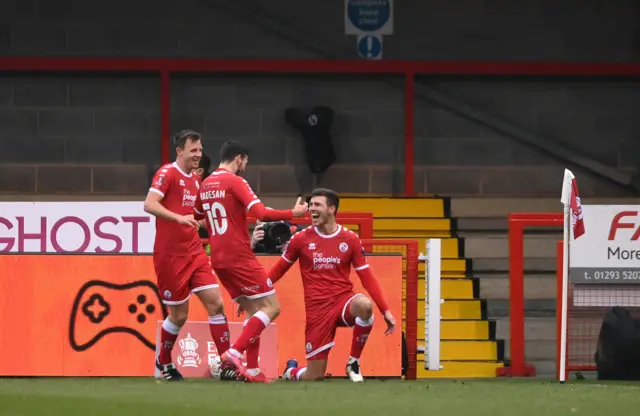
370	47
369	15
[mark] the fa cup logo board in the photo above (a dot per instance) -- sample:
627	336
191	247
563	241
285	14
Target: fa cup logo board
189	356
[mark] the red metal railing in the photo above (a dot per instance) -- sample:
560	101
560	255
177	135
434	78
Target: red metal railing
165	67
409	250
517	224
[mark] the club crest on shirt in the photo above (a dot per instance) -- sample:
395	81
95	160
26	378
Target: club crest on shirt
343	247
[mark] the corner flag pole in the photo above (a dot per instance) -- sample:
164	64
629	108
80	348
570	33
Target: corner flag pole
566	202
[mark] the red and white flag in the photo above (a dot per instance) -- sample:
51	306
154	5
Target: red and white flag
571	197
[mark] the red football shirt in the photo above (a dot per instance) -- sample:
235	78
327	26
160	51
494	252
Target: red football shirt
325	263
224	200
179	192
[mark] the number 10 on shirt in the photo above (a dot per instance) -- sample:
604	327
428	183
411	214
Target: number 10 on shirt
217	216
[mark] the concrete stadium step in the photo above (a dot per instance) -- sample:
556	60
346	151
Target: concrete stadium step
534	328
456	309
405	225
452	248
461	329
533	308
535	349
536	286
474	350
449	275
501	265
382	207
497	246
454	288
459	369
459	267
450	268
540	342
471	225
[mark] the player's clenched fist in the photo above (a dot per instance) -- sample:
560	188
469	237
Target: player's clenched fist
188	220
300	208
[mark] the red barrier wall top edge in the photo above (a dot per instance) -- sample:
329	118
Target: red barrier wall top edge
318	66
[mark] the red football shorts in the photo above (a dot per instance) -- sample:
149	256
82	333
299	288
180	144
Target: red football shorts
320	330
246	279
180	276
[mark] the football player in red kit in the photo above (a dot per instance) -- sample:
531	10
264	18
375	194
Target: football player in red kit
181	264
326	252
224	200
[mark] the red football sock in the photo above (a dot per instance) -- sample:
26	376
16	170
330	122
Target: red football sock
253	353
219	328
297	372
250	334
361	332
168	336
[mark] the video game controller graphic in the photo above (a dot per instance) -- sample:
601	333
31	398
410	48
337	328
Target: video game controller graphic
102	308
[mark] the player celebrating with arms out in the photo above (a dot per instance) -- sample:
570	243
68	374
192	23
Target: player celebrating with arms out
326	252
180	262
224	200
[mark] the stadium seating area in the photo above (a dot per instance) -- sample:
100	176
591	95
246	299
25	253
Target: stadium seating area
469	347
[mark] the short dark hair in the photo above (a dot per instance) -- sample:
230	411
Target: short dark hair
205	164
182	136
231	149
332	196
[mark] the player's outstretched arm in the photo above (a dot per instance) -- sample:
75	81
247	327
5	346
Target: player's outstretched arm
371	285
290	256
263	213
153	206
279	269
369	281
255	207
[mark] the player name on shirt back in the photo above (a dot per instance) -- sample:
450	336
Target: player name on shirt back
216	194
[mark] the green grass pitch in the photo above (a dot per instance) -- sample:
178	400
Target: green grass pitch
133	396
